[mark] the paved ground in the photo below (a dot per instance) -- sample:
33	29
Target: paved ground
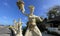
4	32
45	34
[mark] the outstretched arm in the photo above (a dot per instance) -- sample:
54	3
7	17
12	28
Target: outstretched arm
39	18
25	14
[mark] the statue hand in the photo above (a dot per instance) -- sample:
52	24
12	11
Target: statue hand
23	10
20	5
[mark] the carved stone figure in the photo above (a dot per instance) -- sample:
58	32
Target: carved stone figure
19	31
32	29
17	28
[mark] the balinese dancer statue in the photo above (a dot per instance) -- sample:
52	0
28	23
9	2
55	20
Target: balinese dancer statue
14	28
32	29
19	31
17	28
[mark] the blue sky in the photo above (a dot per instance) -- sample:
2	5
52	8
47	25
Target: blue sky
9	10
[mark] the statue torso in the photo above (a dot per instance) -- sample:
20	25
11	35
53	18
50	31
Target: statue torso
32	19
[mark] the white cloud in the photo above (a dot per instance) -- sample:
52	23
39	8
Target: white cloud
46	7
23	22
4	17
25	18
6	4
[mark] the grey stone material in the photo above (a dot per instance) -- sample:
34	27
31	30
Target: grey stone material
5	31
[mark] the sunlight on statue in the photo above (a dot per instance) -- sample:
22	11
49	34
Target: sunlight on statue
31	7
32	29
20	5
19	31
17	28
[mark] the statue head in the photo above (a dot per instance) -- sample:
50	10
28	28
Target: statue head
20	5
31	7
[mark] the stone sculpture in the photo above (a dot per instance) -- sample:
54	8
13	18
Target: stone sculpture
32	29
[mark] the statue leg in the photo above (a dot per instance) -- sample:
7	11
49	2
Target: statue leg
36	32
28	32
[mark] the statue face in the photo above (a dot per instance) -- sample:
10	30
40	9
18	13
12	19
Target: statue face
31	9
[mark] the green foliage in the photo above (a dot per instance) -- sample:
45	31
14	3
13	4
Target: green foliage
24	30
53	12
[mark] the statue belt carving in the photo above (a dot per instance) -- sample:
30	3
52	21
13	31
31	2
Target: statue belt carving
31	26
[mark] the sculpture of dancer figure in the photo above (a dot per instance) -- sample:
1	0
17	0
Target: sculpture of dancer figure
32	29
19	31
14	28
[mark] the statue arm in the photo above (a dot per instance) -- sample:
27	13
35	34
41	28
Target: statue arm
25	14
39	18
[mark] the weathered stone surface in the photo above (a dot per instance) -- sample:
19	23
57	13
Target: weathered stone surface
4	31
